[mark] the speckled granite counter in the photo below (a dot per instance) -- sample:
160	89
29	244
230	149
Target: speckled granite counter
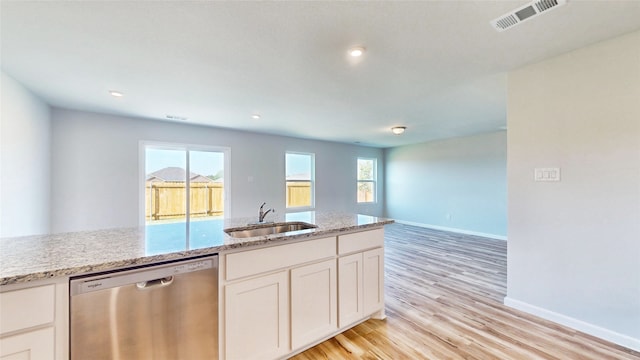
29	258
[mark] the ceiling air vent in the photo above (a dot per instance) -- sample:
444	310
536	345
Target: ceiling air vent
525	13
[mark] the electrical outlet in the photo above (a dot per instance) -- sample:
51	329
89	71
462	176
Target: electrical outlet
546	174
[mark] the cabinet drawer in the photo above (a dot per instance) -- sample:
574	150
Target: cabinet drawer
21	309
360	241
247	263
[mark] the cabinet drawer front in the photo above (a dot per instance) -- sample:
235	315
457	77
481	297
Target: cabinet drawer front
21	309
258	261
360	241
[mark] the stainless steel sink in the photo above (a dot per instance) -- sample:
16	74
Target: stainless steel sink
268	229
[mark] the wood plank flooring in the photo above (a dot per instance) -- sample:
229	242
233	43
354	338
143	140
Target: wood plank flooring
444	294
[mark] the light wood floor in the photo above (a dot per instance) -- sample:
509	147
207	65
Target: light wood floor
444	294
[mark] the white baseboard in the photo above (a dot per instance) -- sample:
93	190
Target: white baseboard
459	231
606	334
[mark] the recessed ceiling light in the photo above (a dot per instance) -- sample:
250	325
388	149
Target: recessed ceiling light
255	116
116	93
397	130
356	51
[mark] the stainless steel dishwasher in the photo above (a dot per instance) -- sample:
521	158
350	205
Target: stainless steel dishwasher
167	311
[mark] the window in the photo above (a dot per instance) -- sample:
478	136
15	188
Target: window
300	174
169	191
177	178
367	174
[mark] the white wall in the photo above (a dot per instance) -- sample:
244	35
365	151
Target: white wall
574	245
95	168
456	184
24	161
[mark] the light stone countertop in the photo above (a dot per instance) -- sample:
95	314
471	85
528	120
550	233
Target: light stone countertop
30	258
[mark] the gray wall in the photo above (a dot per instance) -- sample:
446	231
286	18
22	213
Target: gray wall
574	245
95	178
456	184
25	143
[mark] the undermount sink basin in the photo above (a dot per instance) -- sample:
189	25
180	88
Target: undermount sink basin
268	229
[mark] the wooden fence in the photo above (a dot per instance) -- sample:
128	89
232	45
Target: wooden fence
365	195
167	200
298	193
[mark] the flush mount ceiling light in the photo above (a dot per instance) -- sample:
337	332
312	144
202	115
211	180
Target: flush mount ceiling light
397	130
255	116
116	93
356	51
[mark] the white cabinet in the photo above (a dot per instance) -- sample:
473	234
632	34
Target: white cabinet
280	300
313	302
33	323
257	317
360	276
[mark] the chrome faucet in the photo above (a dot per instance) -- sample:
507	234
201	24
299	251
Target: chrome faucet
263	213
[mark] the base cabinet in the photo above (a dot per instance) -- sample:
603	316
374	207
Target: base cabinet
34	322
361	285
360	276
282	299
257	317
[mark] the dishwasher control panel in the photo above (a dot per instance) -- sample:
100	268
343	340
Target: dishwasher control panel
139	275
192	266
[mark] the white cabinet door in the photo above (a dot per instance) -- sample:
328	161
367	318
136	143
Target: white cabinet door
314	312
257	318
32	345
350	305
373	280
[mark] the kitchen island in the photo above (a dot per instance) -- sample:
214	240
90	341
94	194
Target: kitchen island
338	253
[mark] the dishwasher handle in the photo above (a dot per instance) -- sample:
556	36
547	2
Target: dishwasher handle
155	283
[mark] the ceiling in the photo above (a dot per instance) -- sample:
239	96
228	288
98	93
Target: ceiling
437	67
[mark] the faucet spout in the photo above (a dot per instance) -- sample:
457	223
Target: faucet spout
263	213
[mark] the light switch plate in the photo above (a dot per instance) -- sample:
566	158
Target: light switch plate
546	174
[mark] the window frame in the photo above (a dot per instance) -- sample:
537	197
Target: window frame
142	147
312	180
373	180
